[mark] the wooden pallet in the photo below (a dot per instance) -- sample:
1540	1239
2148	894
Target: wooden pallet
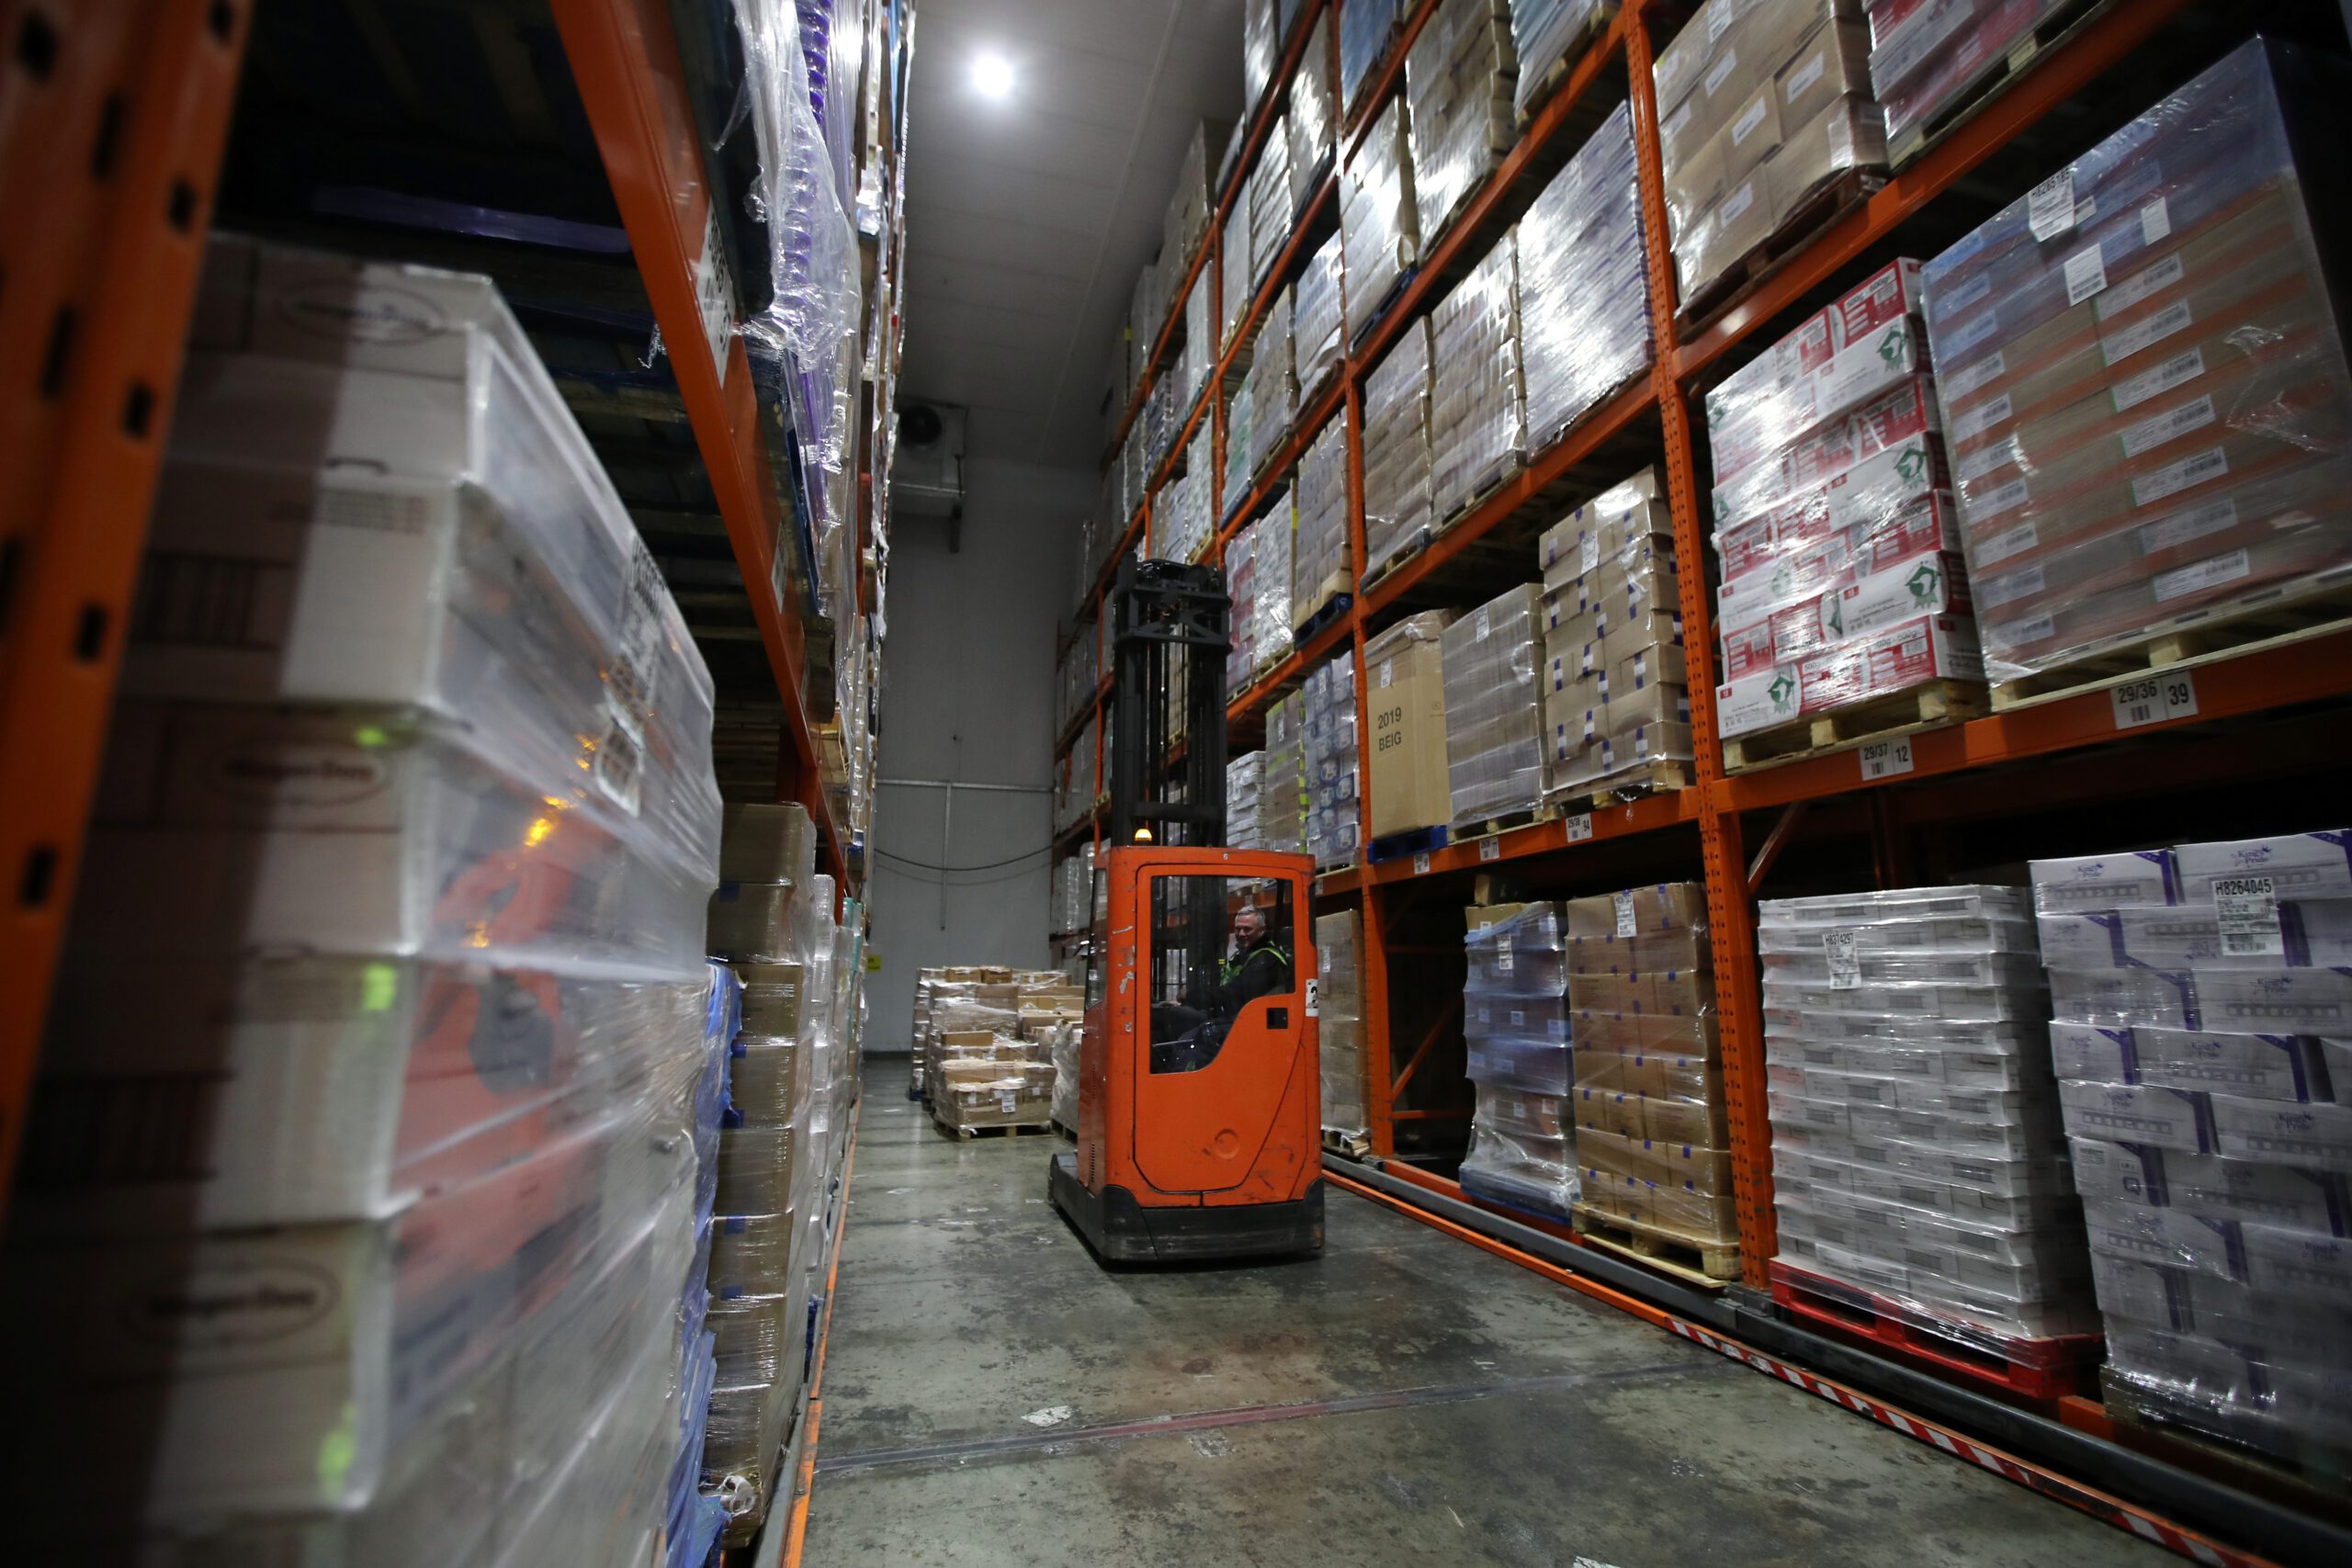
1400	558
1702	1260
1627	783
1506	469
1846	189
1506	822
2294	614
1348	1145
993	1129
1923	706
1999	76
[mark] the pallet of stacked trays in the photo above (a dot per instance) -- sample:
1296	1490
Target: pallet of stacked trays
1844	613
1584	303
1478	408
1321	584
1380	233
1522	1149
1459	76
1616	711
1768	131
1397	516
2201	995
1548	36
1652	1124
1494	726
1368	32
1334	823
1313	118
1920	1188
2150	409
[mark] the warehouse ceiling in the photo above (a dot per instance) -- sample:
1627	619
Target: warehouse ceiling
1029	216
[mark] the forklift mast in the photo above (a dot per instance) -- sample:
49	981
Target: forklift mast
1169	640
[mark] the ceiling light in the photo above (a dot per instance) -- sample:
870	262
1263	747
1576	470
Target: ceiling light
992	76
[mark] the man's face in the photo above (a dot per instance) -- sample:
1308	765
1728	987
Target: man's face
1248	926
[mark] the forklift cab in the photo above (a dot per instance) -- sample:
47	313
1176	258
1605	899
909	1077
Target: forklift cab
1198	1094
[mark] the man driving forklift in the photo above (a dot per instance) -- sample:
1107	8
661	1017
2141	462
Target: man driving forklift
1186	1038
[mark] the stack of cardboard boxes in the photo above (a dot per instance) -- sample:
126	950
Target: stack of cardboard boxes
2149	405
992	1073
1318	321
1233	267
1477	411
1379	232
1241	593
1761	103
1494	718
1515	1029
1314	117
1403	703
1397	495
1926	55
1269	208
1245	780
1367	28
1274	538
2201	996
1240	416
1841	585
1334	821
1338	947
1283	805
1916	1153
1544	32
1459	78
375	1080
1320	572
1616	710
1652	1127
1274	387
1584	301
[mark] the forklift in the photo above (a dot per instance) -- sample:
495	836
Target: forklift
1199	1104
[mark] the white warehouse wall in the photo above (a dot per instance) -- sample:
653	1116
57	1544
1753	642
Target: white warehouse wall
968	697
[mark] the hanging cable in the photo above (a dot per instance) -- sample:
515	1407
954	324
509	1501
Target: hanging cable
959	869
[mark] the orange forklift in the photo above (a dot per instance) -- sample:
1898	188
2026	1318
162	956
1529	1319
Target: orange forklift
1198	1105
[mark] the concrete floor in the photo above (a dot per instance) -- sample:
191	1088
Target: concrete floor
993	1397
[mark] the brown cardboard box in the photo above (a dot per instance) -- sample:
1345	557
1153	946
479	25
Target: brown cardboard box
1599	1110
1701	1123
767	1079
1666	905
771	997
1405	705
765	844
1597	1067
1684	951
748	921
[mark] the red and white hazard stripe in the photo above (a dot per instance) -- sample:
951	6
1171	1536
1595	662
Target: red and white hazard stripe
2098	1505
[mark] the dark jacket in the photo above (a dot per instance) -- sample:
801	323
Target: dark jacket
1263	971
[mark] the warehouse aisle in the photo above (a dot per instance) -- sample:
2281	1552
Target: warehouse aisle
1405	1398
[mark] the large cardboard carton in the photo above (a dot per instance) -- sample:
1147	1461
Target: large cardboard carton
1404	703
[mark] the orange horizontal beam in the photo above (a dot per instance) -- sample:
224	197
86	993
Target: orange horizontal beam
1643	814
2055	77
1439	258
2311	670
1584	438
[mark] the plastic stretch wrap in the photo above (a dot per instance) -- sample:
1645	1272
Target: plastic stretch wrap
2145	376
1459	77
1189	208
1339	946
1477	411
1233	264
439	536
1544	33
1074	890
1396	461
1313	119
1318	330
1244	801
1241	591
1493	741
812	312
1269	208
1283	804
1260	50
1515	1024
1925	55
1615	704
1334	821
1915	1119
1240	415
2212	1143
1064	1041
1367	30
1180	518
1584	310
1199	351
1273	388
1319	560
1161	422
1006	1082
1759	107
1379	227
1277	534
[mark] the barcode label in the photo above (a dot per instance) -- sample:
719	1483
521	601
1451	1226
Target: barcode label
2139	285
1962	298
2008	587
1503	957
1490	848
1519	1018
2085	274
2050	205
2153	699
2170	533
1737	202
1588	558
2136	389
1976	465
1975	421
2248	907
1626	921
2008	497
2170	425
715	294
638	645
2139	335
1843	949
1969	380
1806	76
1723	67
1579	826
1421	865
1745	126
2015	542
1885	759
2156	221
2184	580
621	771
2174	477
1387	673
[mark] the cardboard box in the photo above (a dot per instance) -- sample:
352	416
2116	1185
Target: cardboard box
766	843
751	921
773	996
1405	705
